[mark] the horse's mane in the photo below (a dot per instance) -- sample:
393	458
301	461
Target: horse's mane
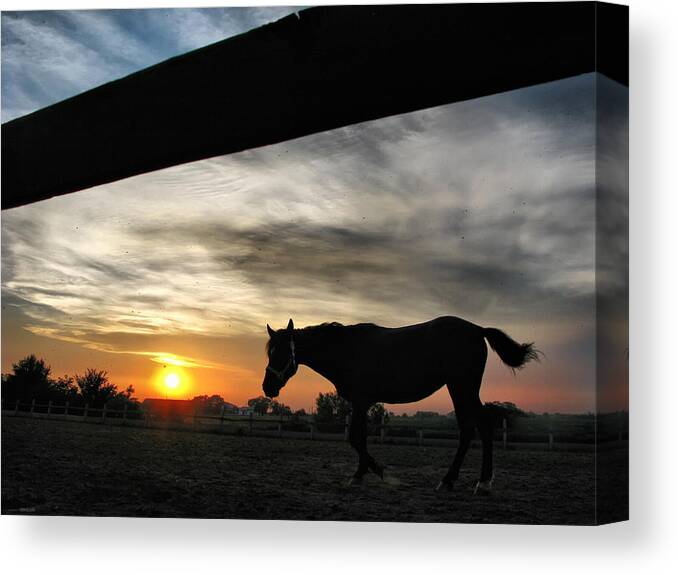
328	328
334	326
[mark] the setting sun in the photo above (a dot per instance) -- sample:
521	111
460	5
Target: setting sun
172	380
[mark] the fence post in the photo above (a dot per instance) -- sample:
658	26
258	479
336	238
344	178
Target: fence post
280	425
382	432
124	412
221	419
550	441
420	437
347	427
84	413
16	407
251	421
66	409
32	406
312	430
49	407
103	413
504	432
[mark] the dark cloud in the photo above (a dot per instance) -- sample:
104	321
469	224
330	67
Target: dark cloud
412	266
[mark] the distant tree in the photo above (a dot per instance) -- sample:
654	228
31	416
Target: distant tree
259	405
377	414
499	410
510	409
209	404
331	407
63	388
299	415
95	388
280	408
424	414
29	380
124	399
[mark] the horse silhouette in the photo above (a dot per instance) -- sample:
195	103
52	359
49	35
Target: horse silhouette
370	364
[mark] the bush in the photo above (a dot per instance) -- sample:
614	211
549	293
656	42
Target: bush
330	407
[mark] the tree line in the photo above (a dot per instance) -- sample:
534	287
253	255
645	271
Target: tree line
31	379
330	408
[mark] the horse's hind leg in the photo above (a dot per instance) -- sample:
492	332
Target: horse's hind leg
358	440
464	391
463	409
465	437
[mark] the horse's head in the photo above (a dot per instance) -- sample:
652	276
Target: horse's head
282	361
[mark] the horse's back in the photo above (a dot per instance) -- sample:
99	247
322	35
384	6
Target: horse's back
410	362
432	346
444	326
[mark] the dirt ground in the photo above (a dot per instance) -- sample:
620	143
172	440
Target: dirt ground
67	468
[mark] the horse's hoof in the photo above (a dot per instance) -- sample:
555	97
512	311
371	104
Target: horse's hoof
378	470
445	486
483	488
354	481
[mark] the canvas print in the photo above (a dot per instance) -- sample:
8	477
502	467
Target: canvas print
257	266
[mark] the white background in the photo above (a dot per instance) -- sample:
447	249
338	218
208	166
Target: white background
647	544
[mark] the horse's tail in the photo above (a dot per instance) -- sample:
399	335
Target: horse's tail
512	353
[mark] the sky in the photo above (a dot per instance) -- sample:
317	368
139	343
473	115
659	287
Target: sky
48	56
483	209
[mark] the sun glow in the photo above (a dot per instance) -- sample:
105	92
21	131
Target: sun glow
172	380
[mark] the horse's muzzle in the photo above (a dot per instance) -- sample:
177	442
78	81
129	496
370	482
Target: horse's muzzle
271	388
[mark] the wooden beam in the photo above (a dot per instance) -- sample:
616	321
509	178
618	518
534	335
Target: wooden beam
321	69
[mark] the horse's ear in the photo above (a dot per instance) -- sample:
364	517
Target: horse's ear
290	325
271	333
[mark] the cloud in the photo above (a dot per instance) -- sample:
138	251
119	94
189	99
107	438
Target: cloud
172	359
48	56
482	209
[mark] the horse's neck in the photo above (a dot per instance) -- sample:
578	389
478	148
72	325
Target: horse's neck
324	353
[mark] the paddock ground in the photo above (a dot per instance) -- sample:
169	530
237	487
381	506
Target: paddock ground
52	467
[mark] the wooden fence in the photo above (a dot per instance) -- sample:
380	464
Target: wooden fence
281	426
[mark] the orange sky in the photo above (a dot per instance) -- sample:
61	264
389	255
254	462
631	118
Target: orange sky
539	387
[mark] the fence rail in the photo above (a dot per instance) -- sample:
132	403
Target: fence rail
288	426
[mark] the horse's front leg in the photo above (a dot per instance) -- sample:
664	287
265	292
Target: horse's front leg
358	440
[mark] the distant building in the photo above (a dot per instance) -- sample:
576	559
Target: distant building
168	408
231	408
245	410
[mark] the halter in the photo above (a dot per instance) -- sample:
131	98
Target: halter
291	362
